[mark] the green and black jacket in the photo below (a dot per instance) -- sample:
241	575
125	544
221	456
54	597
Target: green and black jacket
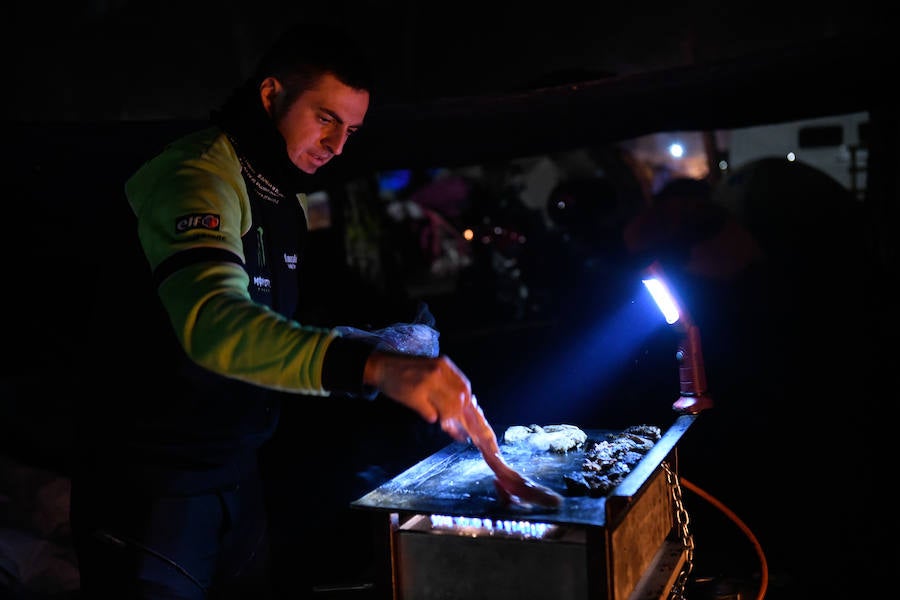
221	219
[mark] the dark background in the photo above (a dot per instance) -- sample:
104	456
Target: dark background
798	444
127	60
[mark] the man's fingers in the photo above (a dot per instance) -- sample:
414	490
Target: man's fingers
504	496
453	428
479	429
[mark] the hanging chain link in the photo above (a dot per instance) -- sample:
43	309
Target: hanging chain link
681	521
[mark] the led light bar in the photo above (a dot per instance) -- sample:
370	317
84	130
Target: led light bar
475	527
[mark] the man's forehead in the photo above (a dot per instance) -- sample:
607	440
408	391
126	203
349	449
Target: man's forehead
339	99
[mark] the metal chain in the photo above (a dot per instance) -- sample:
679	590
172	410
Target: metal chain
682	521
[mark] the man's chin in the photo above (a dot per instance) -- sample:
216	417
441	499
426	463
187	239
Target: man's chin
310	165
307	167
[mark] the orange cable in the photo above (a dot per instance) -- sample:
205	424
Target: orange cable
764	581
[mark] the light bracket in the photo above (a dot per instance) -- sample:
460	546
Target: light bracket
693	397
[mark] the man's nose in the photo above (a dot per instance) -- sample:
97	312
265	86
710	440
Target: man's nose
335	142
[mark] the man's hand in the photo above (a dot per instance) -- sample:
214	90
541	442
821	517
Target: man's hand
433	387
437	390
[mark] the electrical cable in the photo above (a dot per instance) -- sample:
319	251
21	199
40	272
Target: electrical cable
122	542
764	565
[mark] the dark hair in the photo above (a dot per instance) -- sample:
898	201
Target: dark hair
304	52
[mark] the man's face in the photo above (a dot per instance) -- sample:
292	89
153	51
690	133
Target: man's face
316	126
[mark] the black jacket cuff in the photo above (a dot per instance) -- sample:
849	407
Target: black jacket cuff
344	364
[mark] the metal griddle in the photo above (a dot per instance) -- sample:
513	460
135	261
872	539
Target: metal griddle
456	481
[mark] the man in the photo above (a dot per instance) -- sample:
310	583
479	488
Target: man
167	501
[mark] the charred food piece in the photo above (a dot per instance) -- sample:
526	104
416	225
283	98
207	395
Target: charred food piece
607	462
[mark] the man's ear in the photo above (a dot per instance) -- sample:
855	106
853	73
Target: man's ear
269	92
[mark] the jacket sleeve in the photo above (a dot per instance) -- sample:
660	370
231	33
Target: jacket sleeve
191	215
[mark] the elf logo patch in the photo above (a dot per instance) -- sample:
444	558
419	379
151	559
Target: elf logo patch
197	221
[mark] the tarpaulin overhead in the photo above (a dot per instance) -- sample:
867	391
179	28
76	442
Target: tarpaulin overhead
809	80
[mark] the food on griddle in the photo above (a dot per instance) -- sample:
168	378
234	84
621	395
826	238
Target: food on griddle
511	486
648	431
607	462
552	438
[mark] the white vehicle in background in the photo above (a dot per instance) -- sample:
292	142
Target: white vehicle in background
835	145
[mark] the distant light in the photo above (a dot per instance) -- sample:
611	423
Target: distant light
791	156
676	150
468	235
663	299
723	165
393	181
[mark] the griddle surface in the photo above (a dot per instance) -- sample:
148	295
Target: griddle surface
456	481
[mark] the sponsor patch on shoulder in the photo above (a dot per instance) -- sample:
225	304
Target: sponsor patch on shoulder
197	221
